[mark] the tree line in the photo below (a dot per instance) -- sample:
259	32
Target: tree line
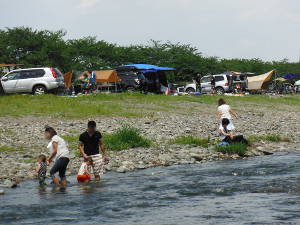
24	45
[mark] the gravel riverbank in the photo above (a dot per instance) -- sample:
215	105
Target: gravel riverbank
23	139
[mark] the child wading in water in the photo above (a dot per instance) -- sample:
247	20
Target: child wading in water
84	173
41	169
225	112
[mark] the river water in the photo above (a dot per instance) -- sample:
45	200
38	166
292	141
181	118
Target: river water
262	190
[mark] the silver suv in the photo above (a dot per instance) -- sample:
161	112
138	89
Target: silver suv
222	84
33	80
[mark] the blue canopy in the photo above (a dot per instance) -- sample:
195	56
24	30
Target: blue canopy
291	76
149	67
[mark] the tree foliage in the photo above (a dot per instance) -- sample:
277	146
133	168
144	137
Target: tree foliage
49	48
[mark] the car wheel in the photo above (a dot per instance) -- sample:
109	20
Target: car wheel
39	90
220	90
190	90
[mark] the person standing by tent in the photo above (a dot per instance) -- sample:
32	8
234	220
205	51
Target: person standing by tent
86	83
225	112
90	145
93	80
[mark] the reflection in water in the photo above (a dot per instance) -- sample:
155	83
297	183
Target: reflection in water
262	190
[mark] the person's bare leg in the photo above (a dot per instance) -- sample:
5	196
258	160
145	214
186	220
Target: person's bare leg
55	180
64	182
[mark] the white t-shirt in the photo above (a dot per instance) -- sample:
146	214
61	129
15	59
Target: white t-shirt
84	167
62	148
224	110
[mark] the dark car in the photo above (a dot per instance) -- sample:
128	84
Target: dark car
144	77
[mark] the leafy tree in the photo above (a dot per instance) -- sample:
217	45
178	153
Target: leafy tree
49	48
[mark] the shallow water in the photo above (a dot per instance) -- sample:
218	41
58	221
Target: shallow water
262	190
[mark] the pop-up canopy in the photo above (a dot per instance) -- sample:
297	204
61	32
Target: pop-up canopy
291	76
259	82
148	67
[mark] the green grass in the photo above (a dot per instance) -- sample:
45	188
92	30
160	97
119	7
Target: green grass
125	138
236	148
121	104
4	148
270	137
72	141
7	132
191	140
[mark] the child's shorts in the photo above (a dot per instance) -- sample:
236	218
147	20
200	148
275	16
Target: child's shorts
83	178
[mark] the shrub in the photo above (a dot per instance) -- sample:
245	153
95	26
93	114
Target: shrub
126	137
271	137
191	140
235	148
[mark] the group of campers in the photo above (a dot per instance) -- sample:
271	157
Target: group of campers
92	149
90	146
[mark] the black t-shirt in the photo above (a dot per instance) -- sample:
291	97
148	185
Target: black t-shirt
91	143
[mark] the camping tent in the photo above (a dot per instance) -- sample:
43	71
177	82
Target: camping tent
10	65
107	76
259	82
68	79
110	76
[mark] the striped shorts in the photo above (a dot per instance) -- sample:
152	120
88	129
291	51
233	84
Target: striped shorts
98	164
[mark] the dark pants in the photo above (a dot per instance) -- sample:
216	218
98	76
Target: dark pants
236	139
60	166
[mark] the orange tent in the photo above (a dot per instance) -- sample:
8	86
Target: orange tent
110	76
68	79
107	76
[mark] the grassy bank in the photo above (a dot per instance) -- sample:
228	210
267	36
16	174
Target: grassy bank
124	138
236	148
191	140
123	104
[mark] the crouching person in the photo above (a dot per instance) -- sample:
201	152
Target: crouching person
59	153
90	146
227	135
84	173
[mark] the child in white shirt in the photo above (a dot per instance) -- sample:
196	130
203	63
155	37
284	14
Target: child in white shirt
84	173
225	112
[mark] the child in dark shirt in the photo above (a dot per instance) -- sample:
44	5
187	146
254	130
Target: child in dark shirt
41	169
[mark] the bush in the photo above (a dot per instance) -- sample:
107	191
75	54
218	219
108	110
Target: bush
271	137
191	140
235	148
125	137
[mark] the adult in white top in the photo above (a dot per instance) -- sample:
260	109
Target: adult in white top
225	112
59	153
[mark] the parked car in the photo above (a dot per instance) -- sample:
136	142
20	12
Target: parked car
33	80
222	84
